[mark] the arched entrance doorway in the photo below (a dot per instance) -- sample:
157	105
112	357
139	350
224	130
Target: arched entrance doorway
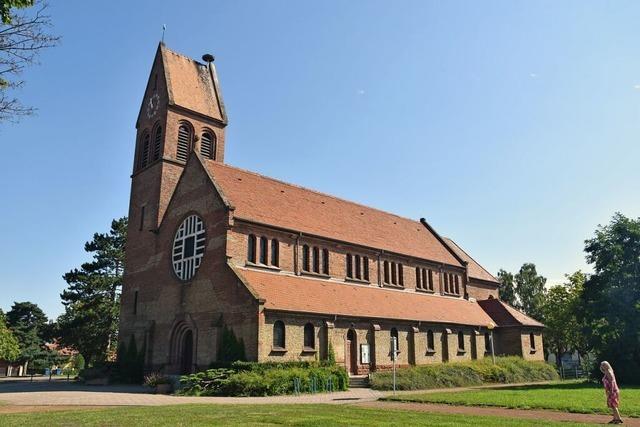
351	352
186	353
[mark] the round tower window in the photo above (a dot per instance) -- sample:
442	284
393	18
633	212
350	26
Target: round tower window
188	247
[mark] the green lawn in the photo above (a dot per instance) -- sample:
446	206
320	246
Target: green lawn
263	415
568	397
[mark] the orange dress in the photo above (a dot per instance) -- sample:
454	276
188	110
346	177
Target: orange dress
613	392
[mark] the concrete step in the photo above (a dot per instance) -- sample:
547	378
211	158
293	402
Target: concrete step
359	382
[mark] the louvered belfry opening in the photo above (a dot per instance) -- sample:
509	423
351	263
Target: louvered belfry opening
144	154
208	146
184	143
157	143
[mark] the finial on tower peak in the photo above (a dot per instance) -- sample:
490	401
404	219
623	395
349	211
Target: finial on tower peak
208	58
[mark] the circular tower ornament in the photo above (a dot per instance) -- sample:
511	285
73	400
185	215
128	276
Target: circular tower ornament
188	247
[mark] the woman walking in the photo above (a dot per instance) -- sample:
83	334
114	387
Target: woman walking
613	392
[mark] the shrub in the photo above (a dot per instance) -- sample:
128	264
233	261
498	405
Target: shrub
263	379
506	370
155	378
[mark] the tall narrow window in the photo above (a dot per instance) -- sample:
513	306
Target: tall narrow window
460	341
430	341
275	252
446	282
305	258
365	265
264	249
358	266
144	150
309	337
349	266
184	143
135	302
207	145
430	280
400	275
251	251
394	273
418	278
157	143
386	272
532	341
316	259
457	283
142	209
487	342
278	335
425	283
325	261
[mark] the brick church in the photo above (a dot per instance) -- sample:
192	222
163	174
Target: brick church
294	273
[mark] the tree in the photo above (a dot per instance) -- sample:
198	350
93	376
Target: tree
507	290
610	300
22	37
28	323
529	287
563	331
9	348
90	321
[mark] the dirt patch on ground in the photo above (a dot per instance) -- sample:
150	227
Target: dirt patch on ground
16	409
534	414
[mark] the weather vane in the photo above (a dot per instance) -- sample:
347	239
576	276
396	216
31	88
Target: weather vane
164	27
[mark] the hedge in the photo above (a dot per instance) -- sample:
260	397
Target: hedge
507	370
264	379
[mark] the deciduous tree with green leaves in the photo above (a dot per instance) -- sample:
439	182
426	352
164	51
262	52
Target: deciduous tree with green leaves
9	348
90	321
610	301
507	290
563	331
530	290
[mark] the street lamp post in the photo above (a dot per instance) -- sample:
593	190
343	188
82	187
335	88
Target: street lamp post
490	326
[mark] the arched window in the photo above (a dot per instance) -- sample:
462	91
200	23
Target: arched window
264	249
144	150
305	258
349	266
251	251
275	252
184	142
325	261
394	277
487	342
365	265
386	272
532	341
316	259
460	341
278	334
430	340
309	337
157	142
393	334
208	145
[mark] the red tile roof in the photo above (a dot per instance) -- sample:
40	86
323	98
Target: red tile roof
192	85
266	200
505	315
310	295
476	271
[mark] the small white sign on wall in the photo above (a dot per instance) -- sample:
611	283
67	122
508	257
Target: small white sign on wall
364	353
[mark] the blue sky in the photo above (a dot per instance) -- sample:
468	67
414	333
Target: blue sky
511	126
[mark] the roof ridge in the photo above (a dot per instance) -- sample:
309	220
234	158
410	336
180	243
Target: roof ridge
448	239
314	191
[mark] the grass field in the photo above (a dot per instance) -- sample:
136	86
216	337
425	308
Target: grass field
579	397
256	415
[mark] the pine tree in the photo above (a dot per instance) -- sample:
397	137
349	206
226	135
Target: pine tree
92	298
